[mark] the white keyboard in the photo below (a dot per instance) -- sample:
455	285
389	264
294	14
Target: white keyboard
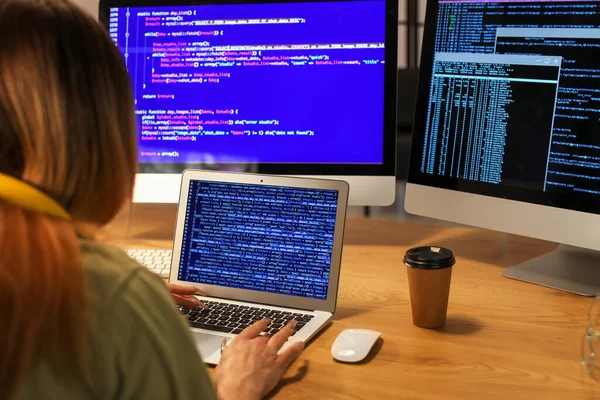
156	260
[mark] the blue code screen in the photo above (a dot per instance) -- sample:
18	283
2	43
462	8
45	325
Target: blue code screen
265	83
263	238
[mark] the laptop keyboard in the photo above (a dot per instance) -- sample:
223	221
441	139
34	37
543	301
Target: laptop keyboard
156	260
234	318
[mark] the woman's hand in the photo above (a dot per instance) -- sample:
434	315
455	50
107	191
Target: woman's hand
184	296
250	367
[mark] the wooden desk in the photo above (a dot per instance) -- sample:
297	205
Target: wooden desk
504	339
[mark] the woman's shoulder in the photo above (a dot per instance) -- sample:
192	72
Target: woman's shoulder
112	277
109	269
138	330
107	259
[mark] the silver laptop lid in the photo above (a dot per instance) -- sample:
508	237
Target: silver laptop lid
261	238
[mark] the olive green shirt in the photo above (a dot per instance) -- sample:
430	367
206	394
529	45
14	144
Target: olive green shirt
139	347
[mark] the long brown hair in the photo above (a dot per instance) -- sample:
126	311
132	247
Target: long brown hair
67	126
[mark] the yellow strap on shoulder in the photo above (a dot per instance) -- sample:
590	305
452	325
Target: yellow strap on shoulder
24	195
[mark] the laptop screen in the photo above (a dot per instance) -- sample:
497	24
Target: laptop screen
264	238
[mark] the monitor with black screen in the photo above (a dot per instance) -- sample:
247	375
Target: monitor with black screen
507	128
282	87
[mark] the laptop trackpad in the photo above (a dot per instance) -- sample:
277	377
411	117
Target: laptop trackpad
209	346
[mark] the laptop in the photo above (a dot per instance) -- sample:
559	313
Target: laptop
258	246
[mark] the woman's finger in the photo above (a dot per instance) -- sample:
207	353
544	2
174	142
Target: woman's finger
255	329
286	358
279	339
185	290
187	301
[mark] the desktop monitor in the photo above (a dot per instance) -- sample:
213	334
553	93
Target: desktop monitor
507	128
305	88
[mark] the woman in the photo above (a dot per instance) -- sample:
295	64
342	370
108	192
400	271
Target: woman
78	319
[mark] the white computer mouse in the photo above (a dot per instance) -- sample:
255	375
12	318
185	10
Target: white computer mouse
353	345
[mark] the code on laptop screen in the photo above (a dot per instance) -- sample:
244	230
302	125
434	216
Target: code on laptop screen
263	238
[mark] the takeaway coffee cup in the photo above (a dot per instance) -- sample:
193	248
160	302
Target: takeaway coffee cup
429	271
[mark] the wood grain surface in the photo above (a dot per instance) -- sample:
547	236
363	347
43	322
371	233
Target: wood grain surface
504	339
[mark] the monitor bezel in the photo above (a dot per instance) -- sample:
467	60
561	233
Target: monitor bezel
305	303
386	168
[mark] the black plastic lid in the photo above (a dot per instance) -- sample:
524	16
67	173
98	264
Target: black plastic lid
429	257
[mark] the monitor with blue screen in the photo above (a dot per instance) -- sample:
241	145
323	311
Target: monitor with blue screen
507	126
303	88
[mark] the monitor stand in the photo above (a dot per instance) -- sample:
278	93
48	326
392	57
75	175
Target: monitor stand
567	268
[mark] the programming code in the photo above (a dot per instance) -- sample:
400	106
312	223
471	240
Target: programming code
279	83
574	158
478	105
264	238
560	154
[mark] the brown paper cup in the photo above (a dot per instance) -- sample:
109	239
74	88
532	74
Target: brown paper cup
429	276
